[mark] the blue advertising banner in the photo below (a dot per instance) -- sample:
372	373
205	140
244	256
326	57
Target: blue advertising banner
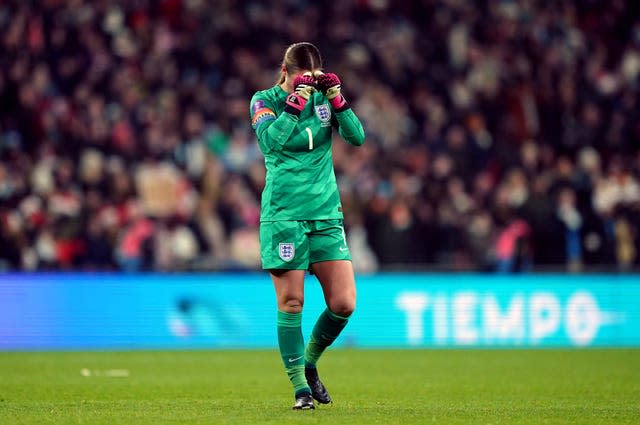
184	311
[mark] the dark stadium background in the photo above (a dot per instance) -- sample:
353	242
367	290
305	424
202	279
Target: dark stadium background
501	135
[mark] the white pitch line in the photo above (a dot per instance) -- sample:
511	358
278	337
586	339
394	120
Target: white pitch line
110	373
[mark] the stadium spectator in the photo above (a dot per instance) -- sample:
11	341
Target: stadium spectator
476	113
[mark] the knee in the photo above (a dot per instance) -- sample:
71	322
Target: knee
291	305
343	308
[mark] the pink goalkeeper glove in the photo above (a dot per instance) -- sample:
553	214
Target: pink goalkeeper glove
304	86
330	86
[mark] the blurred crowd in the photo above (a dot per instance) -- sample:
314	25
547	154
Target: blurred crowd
501	134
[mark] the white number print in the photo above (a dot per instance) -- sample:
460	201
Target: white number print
310	138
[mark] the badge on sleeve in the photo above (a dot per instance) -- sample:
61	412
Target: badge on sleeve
257	105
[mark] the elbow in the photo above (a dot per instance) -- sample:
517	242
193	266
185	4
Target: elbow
358	139
355	138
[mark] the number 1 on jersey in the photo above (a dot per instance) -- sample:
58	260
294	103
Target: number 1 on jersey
310	138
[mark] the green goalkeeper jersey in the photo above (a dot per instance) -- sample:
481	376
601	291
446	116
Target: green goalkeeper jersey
300	181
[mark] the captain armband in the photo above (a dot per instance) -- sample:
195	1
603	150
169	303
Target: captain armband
262	115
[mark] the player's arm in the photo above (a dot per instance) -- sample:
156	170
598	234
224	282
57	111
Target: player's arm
349	126
273	131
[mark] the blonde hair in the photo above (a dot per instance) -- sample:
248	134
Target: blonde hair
299	56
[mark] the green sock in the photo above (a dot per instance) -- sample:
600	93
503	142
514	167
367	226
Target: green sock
291	346
325	331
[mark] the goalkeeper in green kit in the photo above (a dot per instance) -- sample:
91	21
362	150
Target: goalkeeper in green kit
301	221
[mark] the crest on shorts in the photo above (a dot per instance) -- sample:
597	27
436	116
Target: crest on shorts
323	113
286	251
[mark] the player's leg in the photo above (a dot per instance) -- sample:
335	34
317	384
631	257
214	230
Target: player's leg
289	286
338	285
284	251
331	263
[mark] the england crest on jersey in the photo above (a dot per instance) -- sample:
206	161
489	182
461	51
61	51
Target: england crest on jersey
286	251
324	114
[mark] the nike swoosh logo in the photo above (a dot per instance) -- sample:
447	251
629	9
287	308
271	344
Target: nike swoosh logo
293	360
343	248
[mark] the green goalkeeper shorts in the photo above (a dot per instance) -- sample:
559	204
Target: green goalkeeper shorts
295	245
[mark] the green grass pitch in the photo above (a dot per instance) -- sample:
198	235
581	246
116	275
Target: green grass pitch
368	387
